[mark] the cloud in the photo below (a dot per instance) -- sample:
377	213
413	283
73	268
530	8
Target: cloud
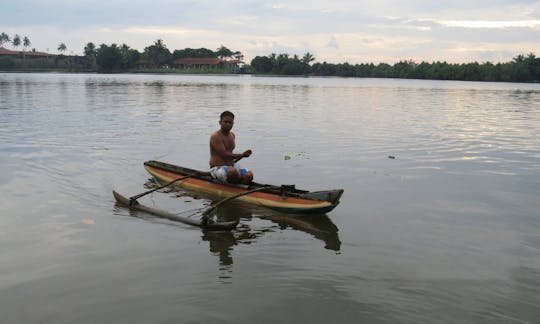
352	30
333	42
491	24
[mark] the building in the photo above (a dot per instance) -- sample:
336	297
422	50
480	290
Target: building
29	54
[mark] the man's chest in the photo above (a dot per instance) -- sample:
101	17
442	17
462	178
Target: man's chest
228	142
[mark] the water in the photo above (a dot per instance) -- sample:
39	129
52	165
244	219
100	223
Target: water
447	231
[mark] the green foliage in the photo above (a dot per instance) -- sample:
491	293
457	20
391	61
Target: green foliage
238	56
16	41
193	52
262	64
323	69
115	58
90	56
281	64
523	68
90	49
4	39
224	52
157	55
308	58
129	57
26	42
62	47
109	58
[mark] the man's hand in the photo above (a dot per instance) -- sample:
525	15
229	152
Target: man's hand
246	153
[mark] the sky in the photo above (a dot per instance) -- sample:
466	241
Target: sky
338	31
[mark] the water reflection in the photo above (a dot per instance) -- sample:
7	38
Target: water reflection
222	243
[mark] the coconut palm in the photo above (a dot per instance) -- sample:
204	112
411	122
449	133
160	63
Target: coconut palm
62	47
4	38
16	41
308	58
238	55
26	42
223	52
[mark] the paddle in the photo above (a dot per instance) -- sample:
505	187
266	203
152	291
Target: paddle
132	199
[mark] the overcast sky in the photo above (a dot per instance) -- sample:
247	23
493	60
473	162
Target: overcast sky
333	31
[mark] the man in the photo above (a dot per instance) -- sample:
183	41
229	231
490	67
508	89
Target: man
222	159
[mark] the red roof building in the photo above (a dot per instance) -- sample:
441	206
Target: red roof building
32	53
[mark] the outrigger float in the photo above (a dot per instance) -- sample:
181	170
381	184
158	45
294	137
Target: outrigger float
284	198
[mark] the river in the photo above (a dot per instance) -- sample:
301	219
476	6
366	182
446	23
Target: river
439	221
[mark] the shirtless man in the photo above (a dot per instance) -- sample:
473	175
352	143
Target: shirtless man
222	159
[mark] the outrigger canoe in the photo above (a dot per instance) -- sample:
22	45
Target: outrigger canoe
285	199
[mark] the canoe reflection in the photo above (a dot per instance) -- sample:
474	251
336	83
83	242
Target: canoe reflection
222	243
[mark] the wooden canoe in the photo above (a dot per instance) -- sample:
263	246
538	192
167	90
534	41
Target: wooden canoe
286	199
210	225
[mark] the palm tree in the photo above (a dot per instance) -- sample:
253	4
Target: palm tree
223	52
518	59
4	38
308	58
26	42
16	41
159	43
238	55
62	47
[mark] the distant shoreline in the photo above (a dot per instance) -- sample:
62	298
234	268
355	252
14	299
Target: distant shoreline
60	71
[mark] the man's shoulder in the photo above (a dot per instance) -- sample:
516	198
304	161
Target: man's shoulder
219	134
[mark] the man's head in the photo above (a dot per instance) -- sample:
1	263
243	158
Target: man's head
226	113
226	121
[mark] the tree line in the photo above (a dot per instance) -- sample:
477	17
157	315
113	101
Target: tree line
522	68
110	58
157	57
120	58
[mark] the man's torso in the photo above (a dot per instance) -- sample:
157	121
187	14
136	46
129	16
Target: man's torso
228	142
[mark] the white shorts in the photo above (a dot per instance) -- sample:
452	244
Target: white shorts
220	172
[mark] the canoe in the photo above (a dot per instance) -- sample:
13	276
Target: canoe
284	198
209	225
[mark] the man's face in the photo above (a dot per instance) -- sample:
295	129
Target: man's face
226	123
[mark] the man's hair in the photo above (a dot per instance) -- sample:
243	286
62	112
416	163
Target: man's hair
226	113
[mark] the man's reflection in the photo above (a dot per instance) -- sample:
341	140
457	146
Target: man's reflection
221	242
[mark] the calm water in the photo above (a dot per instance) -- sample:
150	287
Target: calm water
448	231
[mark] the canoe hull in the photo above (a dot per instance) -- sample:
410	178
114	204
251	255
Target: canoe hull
289	200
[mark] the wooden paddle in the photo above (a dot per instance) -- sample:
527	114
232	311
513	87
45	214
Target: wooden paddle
134	198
